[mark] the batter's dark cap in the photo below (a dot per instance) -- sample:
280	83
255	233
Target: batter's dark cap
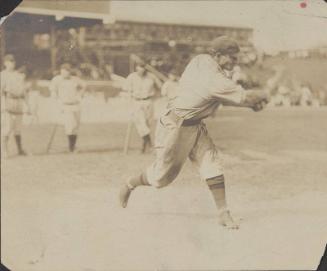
224	45
141	63
66	66
9	58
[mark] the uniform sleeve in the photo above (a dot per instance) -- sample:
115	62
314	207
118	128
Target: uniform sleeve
2	83
164	89
54	87
156	81
127	85
226	89
216	85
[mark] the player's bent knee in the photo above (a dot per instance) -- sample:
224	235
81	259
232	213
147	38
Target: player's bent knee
160	183
163	182
162	176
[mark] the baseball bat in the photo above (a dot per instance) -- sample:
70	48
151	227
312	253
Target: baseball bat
53	133
128	136
161	76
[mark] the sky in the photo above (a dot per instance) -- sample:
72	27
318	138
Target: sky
278	25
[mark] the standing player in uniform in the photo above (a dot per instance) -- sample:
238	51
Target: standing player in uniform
14	93
69	90
181	132
170	87
141	86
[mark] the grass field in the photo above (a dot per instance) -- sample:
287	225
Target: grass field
60	211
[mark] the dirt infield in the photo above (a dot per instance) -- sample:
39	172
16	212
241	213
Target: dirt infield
60	212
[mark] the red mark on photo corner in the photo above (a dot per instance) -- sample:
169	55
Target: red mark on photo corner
303	4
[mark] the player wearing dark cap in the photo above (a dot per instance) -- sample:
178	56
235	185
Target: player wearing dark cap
141	86
181	131
68	90
14	93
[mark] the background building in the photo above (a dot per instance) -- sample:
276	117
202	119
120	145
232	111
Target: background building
88	34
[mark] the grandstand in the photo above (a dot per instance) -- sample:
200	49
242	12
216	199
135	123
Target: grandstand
161	44
55	32
100	45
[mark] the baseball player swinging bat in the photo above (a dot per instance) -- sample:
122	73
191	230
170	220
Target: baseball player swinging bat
182	133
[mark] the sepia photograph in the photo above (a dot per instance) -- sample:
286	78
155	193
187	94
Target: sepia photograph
163	135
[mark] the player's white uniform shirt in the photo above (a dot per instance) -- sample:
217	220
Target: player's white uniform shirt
68	92
141	90
67	89
181	133
170	89
203	86
140	87
13	89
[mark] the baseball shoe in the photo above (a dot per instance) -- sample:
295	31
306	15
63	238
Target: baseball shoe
226	220
124	194
22	153
147	144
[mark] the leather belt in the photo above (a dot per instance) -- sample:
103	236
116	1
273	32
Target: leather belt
191	122
185	123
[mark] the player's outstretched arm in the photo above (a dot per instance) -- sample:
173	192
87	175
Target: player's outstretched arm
255	99
230	93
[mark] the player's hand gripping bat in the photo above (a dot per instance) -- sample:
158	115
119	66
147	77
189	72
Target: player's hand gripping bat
255	99
258	99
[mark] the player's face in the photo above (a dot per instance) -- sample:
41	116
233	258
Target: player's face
10	65
228	61
64	73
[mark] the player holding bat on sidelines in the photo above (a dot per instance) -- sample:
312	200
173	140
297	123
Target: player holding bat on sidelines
181	131
14	92
141	86
68	90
